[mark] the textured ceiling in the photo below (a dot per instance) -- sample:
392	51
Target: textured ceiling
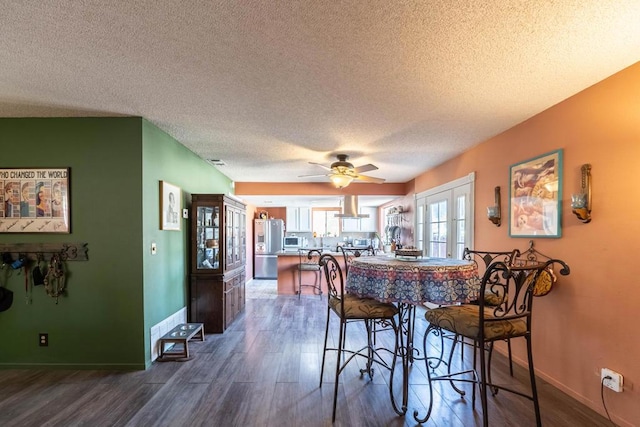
268	86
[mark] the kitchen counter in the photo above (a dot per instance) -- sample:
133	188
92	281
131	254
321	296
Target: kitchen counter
295	253
324	251
288	271
288	274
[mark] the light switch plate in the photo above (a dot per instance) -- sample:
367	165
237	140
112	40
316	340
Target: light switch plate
154	248
185	213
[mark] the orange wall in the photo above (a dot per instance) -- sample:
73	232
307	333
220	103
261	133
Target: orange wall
589	320
279	212
318	188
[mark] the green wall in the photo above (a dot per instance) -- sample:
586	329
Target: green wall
114	297
166	273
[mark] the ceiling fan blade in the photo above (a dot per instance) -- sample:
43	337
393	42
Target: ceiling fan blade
369	179
322	166
313	176
365	168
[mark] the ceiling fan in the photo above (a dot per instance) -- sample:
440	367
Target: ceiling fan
342	173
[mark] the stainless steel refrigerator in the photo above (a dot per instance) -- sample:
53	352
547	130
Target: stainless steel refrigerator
268	236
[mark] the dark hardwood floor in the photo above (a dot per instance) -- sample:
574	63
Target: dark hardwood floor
264	371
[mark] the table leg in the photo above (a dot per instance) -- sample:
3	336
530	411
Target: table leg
404	350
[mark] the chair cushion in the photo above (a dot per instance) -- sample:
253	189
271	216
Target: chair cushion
542	287
308	267
363	308
465	320
545	282
492	299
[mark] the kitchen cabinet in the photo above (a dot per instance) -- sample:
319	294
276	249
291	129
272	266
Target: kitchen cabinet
298	219
218	258
369	224
362	224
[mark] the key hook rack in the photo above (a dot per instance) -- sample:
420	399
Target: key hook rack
37	251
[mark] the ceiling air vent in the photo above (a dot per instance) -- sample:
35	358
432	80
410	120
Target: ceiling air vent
216	162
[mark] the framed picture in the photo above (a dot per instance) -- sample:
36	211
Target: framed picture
34	200
535	193
170	207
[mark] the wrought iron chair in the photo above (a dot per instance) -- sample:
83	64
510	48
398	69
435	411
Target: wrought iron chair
348	253
510	318
308	263
348	307
547	279
483	259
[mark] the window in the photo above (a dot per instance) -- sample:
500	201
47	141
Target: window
324	222
420	227
438	224
444	218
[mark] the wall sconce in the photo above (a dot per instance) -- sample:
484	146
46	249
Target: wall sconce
581	202
493	212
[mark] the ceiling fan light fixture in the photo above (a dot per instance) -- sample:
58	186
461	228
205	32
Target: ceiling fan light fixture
340	181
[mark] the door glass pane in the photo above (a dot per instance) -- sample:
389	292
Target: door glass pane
420	227
438	227
460	225
448	220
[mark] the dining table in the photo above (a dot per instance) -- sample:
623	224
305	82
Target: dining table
409	282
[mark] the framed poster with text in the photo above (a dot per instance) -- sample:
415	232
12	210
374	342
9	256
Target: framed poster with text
34	200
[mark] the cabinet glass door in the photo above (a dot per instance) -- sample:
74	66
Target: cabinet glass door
208	237
236	237
243	238
228	217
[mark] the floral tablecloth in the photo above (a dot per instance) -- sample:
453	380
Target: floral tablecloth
414	280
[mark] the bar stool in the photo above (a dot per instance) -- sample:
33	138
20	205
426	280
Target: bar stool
309	263
349	307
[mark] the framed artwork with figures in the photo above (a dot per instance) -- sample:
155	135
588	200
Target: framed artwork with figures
535	193
35	200
170	206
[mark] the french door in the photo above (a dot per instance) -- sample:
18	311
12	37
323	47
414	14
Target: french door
444	218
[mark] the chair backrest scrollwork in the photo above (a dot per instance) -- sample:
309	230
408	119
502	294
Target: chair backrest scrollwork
333	276
483	259
513	288
309	259
348	253
547	278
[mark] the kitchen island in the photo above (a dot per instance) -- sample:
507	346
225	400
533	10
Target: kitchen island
288	273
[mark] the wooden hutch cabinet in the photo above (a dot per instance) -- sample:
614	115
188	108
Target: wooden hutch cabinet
218	258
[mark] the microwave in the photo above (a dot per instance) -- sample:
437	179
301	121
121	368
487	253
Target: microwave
360	243
291	242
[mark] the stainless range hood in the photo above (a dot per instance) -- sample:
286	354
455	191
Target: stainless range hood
350	208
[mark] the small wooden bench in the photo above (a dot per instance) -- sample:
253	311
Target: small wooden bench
177	340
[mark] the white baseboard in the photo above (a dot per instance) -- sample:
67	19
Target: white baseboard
164	326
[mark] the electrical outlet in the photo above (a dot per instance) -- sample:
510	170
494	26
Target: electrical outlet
43	340
611	379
